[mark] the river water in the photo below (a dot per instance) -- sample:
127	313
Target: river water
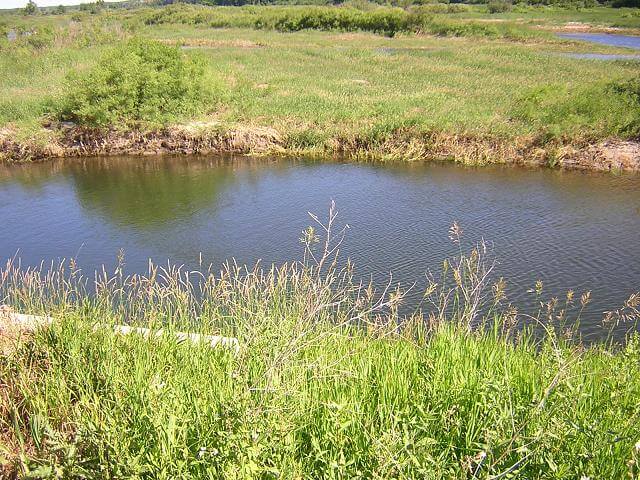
571	230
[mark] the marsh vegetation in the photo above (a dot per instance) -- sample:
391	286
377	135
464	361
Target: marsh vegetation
335	377
330	381
451	82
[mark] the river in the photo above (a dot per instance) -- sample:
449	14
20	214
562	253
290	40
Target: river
571	230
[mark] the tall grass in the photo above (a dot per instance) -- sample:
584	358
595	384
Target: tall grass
330	381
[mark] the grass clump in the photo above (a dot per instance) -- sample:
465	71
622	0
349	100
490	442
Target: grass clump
605	109
139	81
329	382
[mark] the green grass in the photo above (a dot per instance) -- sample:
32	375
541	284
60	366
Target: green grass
329	382
331	91
555	16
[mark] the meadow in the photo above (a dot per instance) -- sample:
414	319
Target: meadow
383	83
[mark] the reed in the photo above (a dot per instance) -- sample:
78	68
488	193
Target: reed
330	380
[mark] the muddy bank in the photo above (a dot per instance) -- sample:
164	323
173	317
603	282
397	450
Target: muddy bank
74	141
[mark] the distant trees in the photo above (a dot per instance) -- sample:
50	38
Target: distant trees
60	9
31	8
93	7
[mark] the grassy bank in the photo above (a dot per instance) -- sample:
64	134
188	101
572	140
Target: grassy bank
486	91
329	381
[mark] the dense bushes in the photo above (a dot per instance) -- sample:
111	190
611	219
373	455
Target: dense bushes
395	3
386	21
383	20
499	6
626	3
290	19
138	81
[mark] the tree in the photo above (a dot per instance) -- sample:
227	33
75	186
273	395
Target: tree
60	9
31	8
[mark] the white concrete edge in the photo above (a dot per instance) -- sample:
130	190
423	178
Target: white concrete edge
31	322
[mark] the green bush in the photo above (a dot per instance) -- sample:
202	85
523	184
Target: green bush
138	81
499	6
626	3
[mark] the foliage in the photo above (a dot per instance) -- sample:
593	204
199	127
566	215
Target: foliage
626	3
558	112
31	8
327	92
394	3
499	6
138	81
383	20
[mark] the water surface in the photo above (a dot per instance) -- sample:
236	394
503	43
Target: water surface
611	39
571	230
602	56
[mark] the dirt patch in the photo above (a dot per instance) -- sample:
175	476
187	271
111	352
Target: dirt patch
610	155
579	27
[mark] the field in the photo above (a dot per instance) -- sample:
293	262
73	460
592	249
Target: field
466	85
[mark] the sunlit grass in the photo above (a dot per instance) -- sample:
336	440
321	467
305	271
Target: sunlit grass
328	83
329	381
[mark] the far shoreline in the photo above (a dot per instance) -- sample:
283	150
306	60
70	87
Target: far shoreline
201	138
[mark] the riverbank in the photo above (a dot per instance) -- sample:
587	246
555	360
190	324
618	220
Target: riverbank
207	138
327	381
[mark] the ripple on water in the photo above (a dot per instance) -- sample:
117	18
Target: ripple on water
568	229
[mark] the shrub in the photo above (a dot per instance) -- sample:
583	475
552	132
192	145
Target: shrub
499	6
138	81
441	8
31	8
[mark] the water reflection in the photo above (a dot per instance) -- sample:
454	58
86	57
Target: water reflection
151	193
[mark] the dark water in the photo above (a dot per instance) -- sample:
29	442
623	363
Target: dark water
610	39
571	230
